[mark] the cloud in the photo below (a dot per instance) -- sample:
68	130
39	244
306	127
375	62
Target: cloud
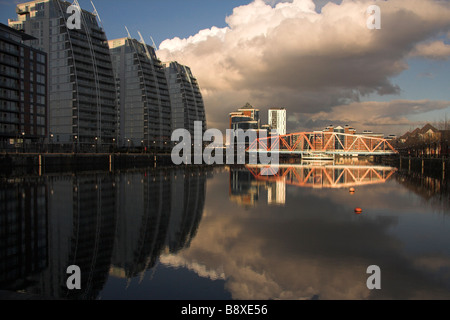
286	54
306	252
386	117
426	75
178	261
436	50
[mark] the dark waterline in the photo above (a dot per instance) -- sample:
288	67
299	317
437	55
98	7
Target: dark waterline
227	233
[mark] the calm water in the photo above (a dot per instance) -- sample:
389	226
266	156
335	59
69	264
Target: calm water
227	233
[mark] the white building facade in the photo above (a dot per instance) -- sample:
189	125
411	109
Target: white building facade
277	120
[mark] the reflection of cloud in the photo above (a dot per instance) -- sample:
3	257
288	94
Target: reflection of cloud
435	264
287	54
316	249
201	270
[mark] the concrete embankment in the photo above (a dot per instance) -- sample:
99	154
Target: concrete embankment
48	162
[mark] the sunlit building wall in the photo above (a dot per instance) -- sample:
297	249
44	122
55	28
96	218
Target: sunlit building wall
277	120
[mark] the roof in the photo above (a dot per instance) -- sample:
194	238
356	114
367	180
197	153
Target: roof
427	128
406	135
418	131
248	106
21	34
415	132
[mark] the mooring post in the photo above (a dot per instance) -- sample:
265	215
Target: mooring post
111	163
40	164
443	168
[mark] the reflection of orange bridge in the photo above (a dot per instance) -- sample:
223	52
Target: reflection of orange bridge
332	176
323	143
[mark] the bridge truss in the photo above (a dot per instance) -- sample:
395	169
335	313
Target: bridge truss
323	143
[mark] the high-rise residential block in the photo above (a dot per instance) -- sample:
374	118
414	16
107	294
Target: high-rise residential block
23	98
185	96
277	120
81	90
143	95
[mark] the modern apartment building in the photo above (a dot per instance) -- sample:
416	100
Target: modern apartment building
81	91
23	87
143	95
277	120
185	96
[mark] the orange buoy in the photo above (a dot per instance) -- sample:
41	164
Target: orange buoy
358	210
352	190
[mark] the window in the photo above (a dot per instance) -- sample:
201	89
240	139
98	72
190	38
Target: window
40	6
40	89
40	57
41	69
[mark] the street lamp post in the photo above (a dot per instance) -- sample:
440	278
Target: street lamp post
51	141
23	142
75	138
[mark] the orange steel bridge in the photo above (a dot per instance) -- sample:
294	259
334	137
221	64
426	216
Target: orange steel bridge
317	144
322	176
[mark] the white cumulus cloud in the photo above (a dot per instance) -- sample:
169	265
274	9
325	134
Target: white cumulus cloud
286	54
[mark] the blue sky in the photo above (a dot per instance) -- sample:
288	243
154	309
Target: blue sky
398	92
161	19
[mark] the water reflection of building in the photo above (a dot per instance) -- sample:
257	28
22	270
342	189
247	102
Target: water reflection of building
143	216
157	212
188	200
82	224
324	176
244	189
23	231
246	182
434	190
276	192
105	224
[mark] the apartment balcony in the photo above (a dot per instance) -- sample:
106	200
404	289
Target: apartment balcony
23	10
